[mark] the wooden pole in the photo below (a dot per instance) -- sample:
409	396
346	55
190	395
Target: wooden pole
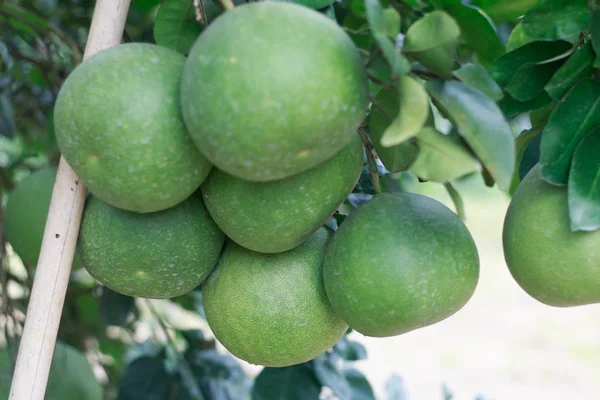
60	238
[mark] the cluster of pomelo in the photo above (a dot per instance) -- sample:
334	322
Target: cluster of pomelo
221	168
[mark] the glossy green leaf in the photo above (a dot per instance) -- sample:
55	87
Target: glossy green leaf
557	19
477	31
430	32
511	107
397	158
432	40
481	123
579	65
522	144
329	373
442	158
505	10
392	22
584	184
595	31
413	111
379	30
518	38
297	382
505	67
175	25
360	387
575	116
539	116
529	81
475	75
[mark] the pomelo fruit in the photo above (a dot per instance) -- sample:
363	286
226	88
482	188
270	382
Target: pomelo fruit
26	213
551	263
154	255
71	375
271	89
118	123
271	217
271	309
400	262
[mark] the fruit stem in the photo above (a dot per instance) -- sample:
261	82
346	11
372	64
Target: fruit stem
371	161
226	4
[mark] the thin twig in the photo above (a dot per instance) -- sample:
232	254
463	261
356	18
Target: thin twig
371	160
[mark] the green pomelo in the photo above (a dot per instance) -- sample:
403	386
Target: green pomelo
551	263
26	213
71	375
400	262
155	255
272	89
118	123
271	309
271	217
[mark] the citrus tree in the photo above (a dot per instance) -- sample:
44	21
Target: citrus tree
248	166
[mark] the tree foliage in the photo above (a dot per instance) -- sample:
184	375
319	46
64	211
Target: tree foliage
450	83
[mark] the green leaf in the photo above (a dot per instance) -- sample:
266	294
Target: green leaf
219	376
511	107
525	151
175	25
430	32
595	31
392	22
297	382
432	40
505	10
395	388
478	77
379	69
584	184
115	308
518	38
477	31
361	389
505	67
316	4
557	19
575	116
350	350
481	123
540	115
328	372
379	29
146	378
413	112
456	199
579	65
442	158
530	80
397	158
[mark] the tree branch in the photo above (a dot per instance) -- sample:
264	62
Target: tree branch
371	161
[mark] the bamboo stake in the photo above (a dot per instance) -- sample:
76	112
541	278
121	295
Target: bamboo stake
60	238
